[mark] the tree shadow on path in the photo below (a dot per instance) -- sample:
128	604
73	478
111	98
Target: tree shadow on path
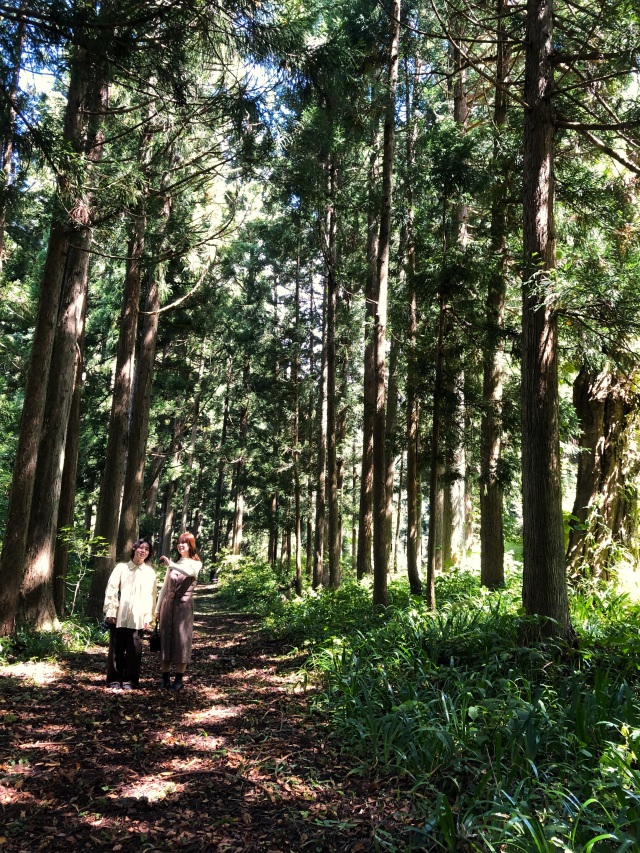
232	763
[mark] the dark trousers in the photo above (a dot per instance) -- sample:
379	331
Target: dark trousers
125	655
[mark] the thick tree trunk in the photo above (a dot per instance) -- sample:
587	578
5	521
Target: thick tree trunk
113	474
491	501
381	548
69	226
600	515
544	588
139	421
37	606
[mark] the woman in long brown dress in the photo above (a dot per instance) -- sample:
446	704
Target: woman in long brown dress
175	610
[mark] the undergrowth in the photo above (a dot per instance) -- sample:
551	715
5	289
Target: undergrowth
503	747
73	635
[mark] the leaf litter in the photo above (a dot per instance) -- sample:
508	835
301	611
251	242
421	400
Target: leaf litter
233	763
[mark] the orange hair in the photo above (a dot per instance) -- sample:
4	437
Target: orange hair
190	539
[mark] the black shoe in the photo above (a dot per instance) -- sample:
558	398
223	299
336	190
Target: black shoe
177	683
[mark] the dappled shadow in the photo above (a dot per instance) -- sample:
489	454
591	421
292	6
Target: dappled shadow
233	762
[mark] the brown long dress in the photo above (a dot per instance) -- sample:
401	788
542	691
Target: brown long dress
176	618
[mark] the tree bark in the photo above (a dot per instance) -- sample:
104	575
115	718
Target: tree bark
217	520
9	138
413	410
37	606
453	515
435	467
600	517
365	514
321	456
68	489
139	421
390	440
238	515
113	474
491	493
544	588
69	226
332	428
381	548
297	520
191	456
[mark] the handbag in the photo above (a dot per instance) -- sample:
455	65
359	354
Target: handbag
154	640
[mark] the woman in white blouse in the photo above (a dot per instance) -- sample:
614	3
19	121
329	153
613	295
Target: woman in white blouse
129	604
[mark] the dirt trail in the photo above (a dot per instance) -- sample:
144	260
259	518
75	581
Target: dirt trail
234	762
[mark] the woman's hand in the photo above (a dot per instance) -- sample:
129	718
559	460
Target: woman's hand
110	620
165	560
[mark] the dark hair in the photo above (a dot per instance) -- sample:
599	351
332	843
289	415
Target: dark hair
190	539
138	543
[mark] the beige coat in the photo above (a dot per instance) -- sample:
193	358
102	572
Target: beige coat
131	595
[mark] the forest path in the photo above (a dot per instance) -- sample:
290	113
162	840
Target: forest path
231	763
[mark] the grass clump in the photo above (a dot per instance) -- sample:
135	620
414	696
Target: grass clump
502	747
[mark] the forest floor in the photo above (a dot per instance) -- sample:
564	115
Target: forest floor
234	762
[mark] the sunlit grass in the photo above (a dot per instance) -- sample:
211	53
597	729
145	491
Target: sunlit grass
505	747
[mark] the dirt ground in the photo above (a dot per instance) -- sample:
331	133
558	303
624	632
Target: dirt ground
234	762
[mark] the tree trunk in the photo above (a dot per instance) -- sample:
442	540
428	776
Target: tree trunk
217	520
318	556
365	514
396	545
68	488
544	587
380	546
435	467
491	500
139	421
238	515
113	474
453	520
69	226
332	428
9	138
192	444
272	549
297	520
413	410
604	403
390	436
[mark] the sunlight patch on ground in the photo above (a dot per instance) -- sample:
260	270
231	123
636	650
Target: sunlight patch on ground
39	672
151	788
215	714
